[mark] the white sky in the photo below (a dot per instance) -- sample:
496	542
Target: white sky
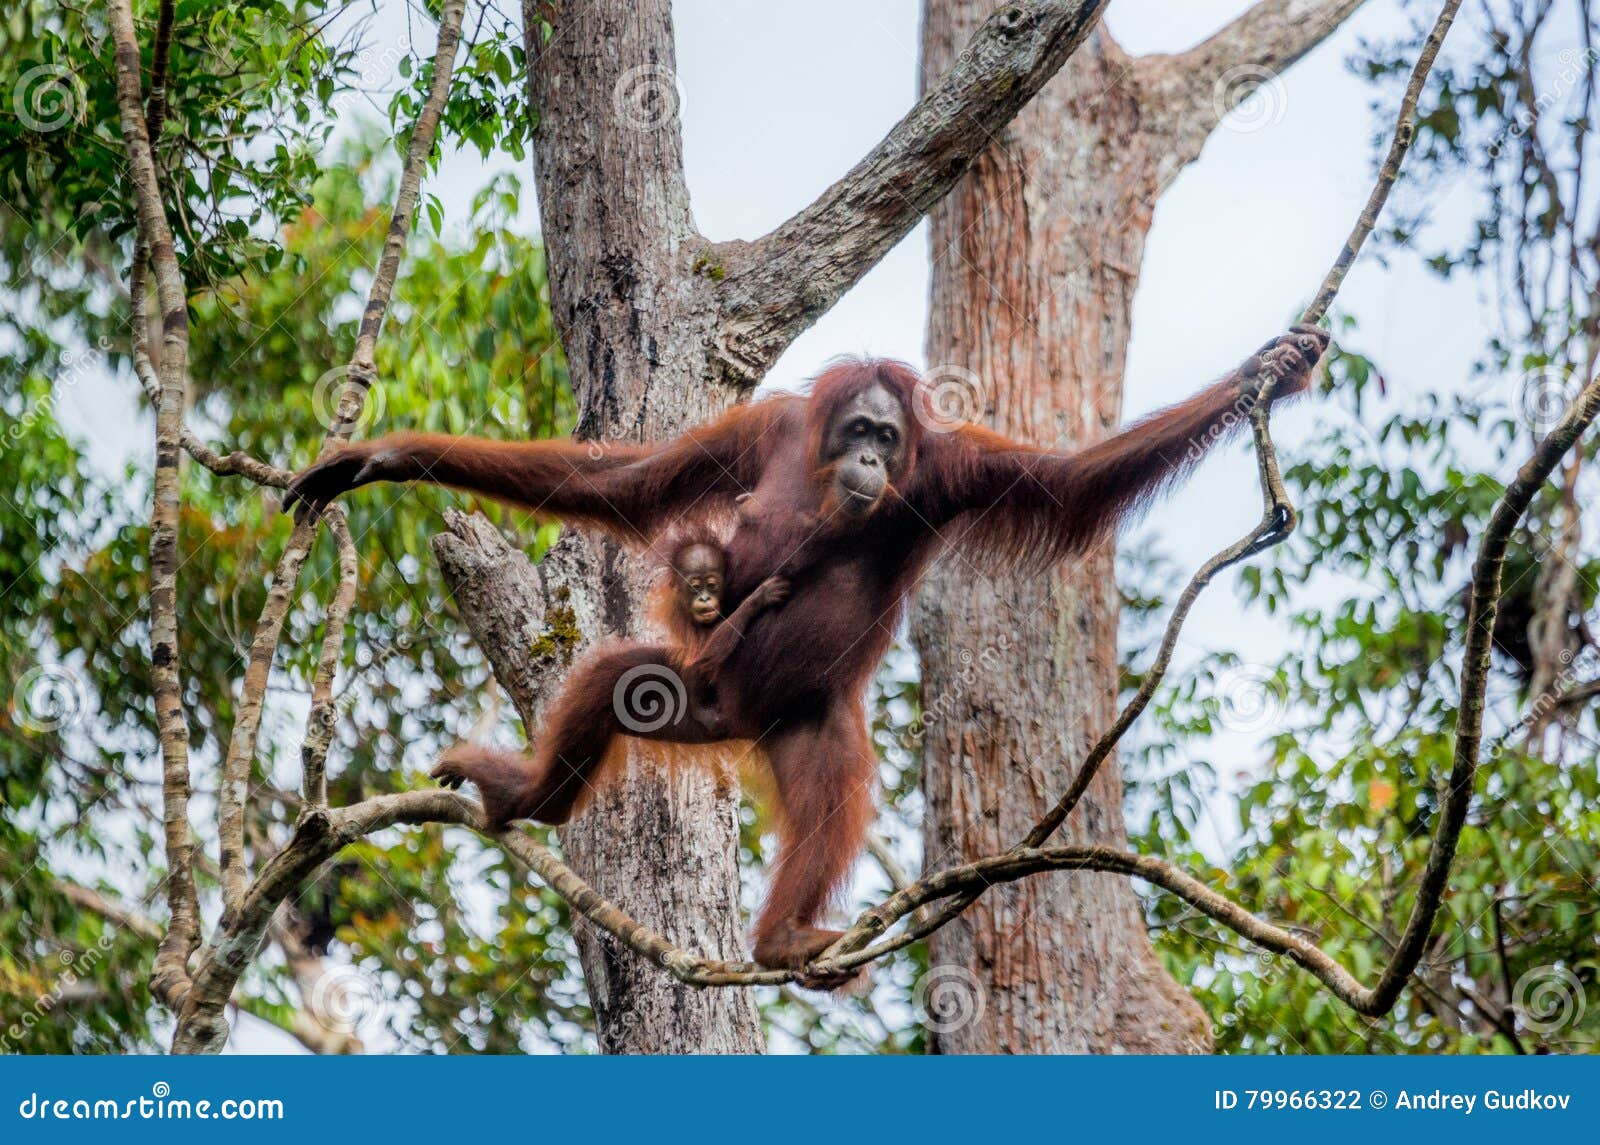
779	100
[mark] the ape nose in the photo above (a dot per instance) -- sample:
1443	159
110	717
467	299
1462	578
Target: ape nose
870	460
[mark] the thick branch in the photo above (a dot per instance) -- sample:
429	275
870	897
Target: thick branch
170	974
1189	93
777	286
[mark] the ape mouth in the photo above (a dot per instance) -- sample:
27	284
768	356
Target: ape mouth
704	612
858	502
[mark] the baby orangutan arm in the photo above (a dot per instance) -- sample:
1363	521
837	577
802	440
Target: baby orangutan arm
705	669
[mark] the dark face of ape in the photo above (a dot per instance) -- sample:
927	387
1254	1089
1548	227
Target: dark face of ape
865	449
700	574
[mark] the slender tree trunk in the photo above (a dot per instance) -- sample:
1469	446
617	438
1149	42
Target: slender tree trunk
1036	257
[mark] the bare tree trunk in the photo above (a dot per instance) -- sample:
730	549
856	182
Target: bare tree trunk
1036	257
634	322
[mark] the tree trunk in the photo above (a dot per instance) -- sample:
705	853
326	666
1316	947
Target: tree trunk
634	322
1036	257
1035	260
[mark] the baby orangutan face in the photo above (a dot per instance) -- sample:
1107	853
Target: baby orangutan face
699	570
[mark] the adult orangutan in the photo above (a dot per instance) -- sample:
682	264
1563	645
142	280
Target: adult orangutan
852	456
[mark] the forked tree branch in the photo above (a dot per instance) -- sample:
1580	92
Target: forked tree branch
169	977
777	286
1190	92
234	464
352	399
201	1027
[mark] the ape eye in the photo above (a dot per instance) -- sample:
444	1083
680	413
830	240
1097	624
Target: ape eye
860	427
886	435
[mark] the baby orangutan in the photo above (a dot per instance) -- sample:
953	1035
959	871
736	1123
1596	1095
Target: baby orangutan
697	567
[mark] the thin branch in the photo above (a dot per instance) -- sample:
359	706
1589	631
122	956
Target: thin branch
878	848
91	900
324	711
170	974
1278	516
775	287
1474	683
234	464
358	379
1405	130
155	115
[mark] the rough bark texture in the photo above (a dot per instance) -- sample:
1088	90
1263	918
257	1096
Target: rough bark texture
635	323
1035	260
1036	256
